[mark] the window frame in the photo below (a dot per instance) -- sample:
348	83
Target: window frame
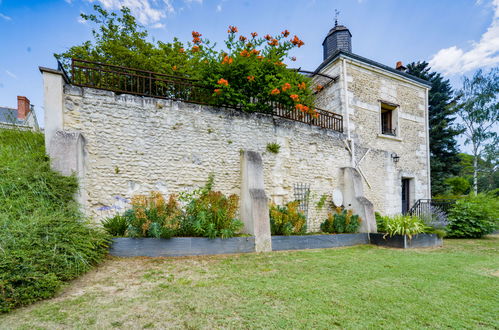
393	109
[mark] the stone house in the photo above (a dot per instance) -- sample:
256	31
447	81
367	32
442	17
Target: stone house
23	116
121	144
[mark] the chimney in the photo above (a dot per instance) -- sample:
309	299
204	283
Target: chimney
338	38
23	107
400	67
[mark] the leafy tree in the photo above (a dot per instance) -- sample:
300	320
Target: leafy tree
488	174
458	185
478	108
119	40
249	73
444	160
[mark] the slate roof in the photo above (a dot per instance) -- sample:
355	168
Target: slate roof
353	56
9	116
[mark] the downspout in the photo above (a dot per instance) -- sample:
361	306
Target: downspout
347	112
349	137
428	142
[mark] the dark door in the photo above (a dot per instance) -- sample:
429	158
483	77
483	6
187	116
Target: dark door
405	195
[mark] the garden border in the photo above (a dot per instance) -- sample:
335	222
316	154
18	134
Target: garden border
180	246
404	242
195	246
302	242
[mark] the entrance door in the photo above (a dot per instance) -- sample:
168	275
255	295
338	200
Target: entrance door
405	195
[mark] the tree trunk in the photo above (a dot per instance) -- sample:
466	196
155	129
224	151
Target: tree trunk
475	174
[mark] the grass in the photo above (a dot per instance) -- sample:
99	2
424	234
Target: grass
44	239
356	287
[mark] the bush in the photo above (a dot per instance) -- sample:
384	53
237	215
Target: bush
287	219
435	221
211	214
207	214
400	225
474	216
344	221
44	240
248	74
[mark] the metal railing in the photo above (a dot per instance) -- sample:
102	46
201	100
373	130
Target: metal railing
388	131
427	206
125	80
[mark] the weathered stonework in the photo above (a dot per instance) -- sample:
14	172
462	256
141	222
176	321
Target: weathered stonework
366	88
134	145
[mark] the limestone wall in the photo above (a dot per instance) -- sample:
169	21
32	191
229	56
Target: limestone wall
366	88
135	145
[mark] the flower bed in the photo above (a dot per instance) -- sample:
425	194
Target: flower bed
296	242
180	246
404	242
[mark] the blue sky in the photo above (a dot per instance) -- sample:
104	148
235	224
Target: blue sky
456	36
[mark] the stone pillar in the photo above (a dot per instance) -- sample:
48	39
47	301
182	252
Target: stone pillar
254	202
53	98
354	199
67	156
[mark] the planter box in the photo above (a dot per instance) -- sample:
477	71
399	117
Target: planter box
403	241
179	246
280	243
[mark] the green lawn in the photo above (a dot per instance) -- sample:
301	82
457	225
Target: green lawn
357	287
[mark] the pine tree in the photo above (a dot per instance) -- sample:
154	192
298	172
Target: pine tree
444	159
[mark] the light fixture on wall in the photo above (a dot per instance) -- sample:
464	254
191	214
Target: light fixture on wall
395	157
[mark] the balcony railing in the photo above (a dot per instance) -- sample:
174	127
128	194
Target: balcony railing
153	84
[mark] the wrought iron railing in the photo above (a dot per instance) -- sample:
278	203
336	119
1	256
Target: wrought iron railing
424	207
388	131
147	83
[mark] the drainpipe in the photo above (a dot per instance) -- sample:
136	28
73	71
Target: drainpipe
347	115
427	114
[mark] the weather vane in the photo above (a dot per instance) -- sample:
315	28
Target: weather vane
336	14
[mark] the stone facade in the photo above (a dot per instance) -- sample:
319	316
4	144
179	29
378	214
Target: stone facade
133	145
366	88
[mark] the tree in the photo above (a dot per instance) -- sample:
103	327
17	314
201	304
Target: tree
444	160
477	105
248	74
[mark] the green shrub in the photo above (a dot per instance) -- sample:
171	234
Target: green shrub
401	225
474	216
211	214
43	237
116	226
273	148
247	72
380	222
207	214
287	219
344	221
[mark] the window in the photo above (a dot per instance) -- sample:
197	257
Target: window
388	119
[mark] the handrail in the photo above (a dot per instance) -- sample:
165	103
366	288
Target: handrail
125	80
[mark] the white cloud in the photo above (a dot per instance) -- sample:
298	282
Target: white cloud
10	74
144	10
454	60
5	17
69	1
158	26
219	8
191	1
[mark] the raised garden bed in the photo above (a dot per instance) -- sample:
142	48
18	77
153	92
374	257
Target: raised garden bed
280	243
404	242
180	246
